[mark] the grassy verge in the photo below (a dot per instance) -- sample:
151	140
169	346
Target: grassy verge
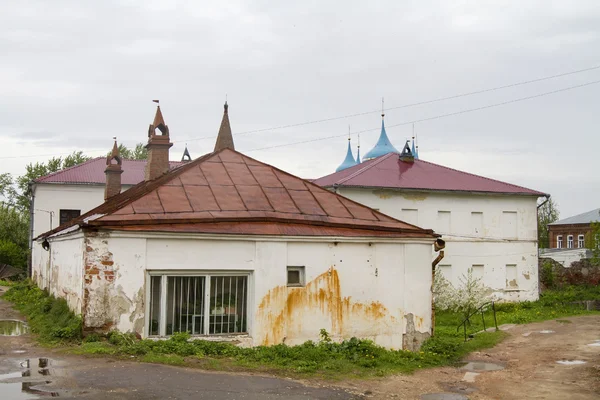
6	283
47	316
51	319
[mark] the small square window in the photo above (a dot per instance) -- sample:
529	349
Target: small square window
295	276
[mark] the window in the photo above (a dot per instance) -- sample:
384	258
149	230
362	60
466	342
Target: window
570	241
511	276
410	216
509	224
446	271
477	223
477	271
443	222
559	242
200	305
67	215
581	241
295	276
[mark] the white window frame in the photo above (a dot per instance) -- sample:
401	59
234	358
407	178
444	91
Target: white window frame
302	271
569	241
559	242
207	274
581	241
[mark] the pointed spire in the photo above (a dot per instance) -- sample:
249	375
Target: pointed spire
349	161
114	154
225	137
414	152
159	122
358	150
186	153
383	145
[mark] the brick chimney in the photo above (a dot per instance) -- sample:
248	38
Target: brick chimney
113	173
158	147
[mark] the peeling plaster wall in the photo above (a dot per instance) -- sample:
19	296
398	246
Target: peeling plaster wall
353	289
467	244
60	270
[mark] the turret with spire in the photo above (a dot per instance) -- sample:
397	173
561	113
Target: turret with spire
383	145
349	161
113	172
158	147
225	138
186	155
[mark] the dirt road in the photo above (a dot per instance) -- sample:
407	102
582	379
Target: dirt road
528	358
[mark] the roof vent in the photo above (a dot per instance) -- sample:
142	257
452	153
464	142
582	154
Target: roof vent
407	155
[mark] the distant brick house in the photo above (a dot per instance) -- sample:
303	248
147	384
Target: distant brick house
572	232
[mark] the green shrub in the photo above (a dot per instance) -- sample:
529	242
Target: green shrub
47	316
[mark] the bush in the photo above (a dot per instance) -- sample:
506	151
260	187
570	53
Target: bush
47	316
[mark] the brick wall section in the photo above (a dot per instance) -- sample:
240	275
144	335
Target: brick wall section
158	156
99	276
565	230
113	182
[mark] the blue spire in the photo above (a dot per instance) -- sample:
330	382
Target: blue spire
413	150
349	161
383	146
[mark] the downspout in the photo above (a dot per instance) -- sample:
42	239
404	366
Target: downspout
537	215
31	214
438	246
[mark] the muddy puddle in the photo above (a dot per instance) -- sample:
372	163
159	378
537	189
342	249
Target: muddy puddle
443	396
13	327
571	362
29	383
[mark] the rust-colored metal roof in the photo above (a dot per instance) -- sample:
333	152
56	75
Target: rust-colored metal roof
390	172
228	192
91	172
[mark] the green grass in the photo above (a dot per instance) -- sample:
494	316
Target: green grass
47	316
54	323
6	283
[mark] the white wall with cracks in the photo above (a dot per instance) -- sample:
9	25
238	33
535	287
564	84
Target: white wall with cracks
370	288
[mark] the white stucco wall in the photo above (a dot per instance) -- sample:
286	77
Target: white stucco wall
488	241
565	256
60	270
374	290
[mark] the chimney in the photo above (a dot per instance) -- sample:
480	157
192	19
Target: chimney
158	148
407	155
225	138
113	173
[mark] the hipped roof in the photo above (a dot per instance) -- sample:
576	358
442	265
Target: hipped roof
389	172
226	192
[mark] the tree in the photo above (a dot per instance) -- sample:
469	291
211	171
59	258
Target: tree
14	236
140	152
464	299
547	214
593	242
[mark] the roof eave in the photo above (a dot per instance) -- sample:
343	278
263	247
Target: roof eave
338	186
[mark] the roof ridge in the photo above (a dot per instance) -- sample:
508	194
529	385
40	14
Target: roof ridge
365	168
68	168
479	176
562	221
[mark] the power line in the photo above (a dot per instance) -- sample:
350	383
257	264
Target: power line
410	104
436	116
389	126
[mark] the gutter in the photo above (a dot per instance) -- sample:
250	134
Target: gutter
438	246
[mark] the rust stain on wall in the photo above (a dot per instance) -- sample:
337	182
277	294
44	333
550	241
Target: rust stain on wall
526	275
284	311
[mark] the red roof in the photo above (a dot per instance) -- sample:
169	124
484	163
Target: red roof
228	192
92	172
389	171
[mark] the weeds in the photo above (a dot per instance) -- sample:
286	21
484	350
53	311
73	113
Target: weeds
47	316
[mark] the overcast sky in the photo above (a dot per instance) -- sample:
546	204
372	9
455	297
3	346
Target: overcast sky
73	74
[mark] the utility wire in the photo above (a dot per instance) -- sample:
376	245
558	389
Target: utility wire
376	129
411	104
436	116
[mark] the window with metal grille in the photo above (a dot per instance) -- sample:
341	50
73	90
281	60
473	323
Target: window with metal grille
200	305
67	215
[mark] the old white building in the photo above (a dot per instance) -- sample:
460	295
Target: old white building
490	227
228	247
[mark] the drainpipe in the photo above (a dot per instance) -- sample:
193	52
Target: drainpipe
31	213
438	246
537	215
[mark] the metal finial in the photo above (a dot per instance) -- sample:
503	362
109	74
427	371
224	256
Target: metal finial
359	140
382	107
348	132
